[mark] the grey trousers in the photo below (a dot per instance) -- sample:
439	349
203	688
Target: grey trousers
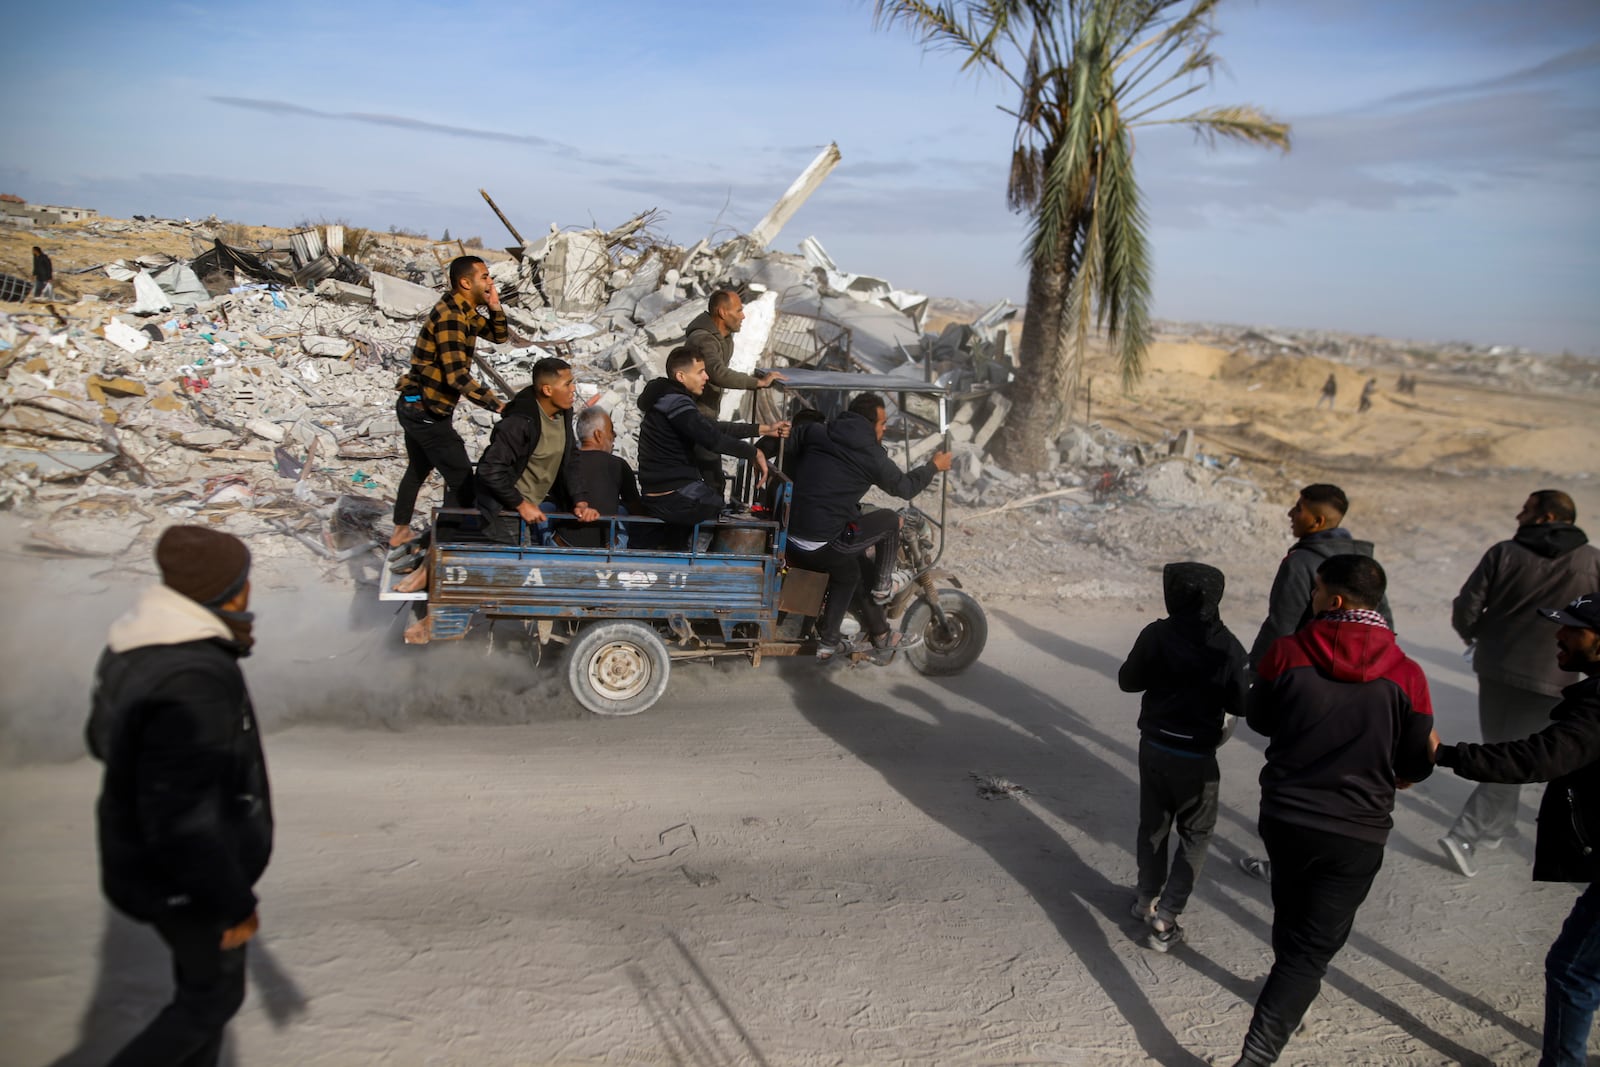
1505	713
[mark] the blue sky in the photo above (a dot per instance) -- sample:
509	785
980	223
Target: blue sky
1443	183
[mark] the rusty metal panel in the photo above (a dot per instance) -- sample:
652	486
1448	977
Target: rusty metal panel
802	592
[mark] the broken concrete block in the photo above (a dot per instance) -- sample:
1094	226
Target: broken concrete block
206	438
575	269
670	328
126	337
400	299
1183	445
269	431
652	306
999	408
337	292
334	347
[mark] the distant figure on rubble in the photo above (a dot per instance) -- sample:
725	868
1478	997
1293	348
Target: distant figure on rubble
185	815
1330	390
676	488
1367	392
710	336
43	273
1191	670
608	482
1548	561
836	463
440	375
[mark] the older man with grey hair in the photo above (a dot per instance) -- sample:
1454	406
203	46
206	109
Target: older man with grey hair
610	482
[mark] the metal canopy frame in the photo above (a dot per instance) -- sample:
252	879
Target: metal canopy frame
803	380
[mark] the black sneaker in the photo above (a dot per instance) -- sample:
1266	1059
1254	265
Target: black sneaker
1164	934
1460	853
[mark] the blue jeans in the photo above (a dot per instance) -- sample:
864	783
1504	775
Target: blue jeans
1572	984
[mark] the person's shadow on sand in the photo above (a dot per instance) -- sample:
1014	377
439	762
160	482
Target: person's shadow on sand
135	982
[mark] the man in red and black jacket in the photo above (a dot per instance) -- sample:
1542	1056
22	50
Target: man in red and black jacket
1349	718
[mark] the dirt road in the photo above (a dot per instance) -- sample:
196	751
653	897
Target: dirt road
781	866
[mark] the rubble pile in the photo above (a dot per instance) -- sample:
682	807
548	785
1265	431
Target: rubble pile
253	387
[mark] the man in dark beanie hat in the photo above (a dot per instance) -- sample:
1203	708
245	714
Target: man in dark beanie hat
184	816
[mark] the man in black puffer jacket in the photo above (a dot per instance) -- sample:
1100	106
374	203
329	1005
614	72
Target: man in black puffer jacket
1349	718
1549	561
1566	754
670	477
835	464
1191	670
185	816
529	458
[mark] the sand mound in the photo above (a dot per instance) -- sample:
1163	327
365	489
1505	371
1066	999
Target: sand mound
1204	361
1292	374
1559	450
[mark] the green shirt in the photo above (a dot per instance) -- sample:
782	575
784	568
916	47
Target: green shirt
540	474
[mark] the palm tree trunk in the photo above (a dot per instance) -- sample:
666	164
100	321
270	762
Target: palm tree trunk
1046	374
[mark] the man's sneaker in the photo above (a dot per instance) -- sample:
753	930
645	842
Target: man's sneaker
1460	853
1164	934
1144	908
1256	867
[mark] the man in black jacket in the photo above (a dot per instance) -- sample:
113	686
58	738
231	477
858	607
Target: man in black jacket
1549	561
185	815
529	458
835	464
674	485
1349	717
1566	753
1191	670
1315	522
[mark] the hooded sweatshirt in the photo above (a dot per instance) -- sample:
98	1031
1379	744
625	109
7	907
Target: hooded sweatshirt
672	427
1189	667
1289	605
1548	563
1347	713
835	464
185	814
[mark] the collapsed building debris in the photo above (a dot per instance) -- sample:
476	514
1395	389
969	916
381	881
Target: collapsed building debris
254	386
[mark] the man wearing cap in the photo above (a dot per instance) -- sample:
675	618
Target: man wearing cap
1549	561
1567	755
184	816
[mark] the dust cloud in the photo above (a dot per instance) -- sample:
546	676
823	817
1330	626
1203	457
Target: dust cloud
325	654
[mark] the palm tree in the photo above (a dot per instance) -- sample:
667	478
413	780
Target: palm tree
1087	72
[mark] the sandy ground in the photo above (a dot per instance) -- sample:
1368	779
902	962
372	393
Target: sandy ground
780	866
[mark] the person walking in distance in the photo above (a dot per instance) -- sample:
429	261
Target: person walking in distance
1547	561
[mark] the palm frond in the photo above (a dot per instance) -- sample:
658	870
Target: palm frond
1242	122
